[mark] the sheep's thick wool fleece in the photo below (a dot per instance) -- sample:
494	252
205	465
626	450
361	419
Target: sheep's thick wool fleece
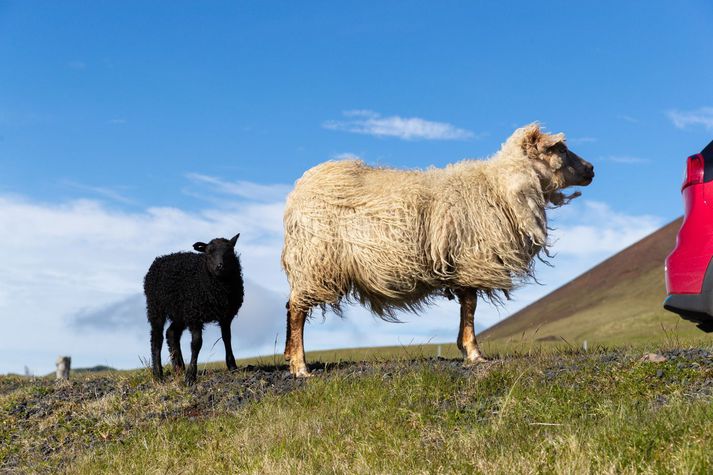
393	238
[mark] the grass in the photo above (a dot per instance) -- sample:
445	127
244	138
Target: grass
541	411
373	354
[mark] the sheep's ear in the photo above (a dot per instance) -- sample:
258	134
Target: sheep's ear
547	141
200	246
531	134
234	240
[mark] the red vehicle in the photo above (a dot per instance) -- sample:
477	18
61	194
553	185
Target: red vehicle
689	268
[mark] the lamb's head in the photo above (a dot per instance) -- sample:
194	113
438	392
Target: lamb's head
220	256
556	165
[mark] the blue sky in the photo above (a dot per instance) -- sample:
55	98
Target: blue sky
131	129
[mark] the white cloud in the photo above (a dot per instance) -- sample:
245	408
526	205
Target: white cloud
345	156
591	228
581	140
77	65
628	118
702	116
72	277
105	191
406	128
243	189
625	159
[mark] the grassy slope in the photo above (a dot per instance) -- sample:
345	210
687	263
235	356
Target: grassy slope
602	411
422	420
618	301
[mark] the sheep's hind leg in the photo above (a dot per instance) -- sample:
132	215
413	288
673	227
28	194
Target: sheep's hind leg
467	343
196	344
229	357
295	342
173	337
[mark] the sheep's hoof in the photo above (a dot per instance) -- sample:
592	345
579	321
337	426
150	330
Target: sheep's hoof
300	371
303	374
476	360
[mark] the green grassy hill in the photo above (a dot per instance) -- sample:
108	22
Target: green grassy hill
603	411
617	302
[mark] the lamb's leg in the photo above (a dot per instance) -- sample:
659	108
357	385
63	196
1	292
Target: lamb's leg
173	337
295	343
467	344
196	344
229	358
157	324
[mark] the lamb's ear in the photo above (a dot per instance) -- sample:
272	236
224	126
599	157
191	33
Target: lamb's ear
234	240
200	246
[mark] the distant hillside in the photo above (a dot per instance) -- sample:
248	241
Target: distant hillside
618	301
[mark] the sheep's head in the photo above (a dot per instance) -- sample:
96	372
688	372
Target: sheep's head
220	255
556	165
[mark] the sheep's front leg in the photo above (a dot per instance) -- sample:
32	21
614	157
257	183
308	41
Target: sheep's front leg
288	336
229	358
467	344
196	344
294	347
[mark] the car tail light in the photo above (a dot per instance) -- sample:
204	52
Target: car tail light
694	171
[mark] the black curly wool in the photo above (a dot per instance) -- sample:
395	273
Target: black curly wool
189	290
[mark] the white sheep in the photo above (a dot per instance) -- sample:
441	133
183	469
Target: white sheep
393	239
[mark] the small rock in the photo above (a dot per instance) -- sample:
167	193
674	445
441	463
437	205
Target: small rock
654	358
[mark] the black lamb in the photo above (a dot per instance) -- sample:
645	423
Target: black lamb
192	289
